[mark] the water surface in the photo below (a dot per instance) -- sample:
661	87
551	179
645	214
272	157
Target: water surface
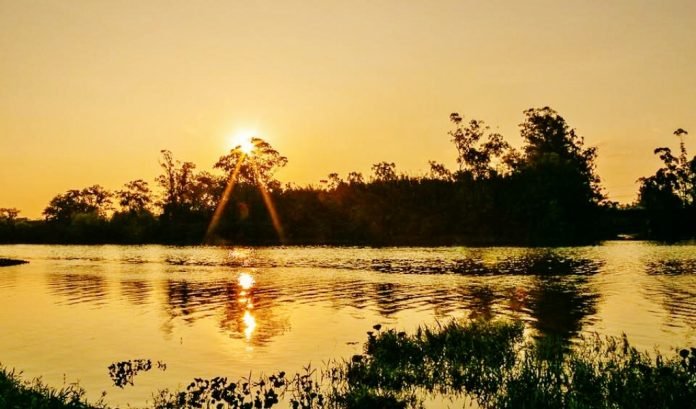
206	311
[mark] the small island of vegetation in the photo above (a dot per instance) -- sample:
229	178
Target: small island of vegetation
6	262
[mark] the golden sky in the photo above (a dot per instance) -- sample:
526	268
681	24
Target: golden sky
90	91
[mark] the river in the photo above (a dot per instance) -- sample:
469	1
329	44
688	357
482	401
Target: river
207	311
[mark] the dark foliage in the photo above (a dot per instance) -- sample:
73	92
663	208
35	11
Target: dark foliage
668	197
547	193
18	393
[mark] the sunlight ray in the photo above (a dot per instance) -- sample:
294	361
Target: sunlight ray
269	205
223	202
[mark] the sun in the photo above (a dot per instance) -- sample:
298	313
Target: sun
246	146
244	142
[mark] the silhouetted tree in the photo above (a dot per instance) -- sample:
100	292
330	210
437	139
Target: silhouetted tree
555	184
175	181
94	199
439	171
669	196
8	222
135	223
355	178
547	193
80	215
8	215
257	167
135	196
384	171
477	147
205	192
549	141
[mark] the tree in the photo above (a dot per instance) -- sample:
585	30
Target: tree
355	178
678	176
333	181
8	215
135	197
477	148
439	171
555	186
206	190
384	171
669	196
550	141
551	144
91	200
176	182
257	167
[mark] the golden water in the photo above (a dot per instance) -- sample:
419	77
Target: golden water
208	311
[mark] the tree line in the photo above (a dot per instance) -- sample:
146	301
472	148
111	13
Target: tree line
546	192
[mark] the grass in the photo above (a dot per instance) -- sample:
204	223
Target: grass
16	393
490	362
493	363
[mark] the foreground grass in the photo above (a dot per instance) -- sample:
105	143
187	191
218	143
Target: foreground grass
491	363
16	393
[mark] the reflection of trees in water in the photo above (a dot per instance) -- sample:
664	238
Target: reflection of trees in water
533	262
136	291
674	283
553	290
678	296
78	288
671	267
547	263
245	312
560	306
481	301
386	299
559	298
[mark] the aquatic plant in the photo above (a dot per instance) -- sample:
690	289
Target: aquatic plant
123	373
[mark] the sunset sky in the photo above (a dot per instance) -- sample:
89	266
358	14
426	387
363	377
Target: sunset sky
91	91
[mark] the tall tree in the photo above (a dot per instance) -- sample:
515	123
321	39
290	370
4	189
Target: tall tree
135	197
90	200
384	171
257	166
669	196
555	184
176	182
8	214
478	149
549	141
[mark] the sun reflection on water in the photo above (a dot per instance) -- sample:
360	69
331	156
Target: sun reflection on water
246	282
249	324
